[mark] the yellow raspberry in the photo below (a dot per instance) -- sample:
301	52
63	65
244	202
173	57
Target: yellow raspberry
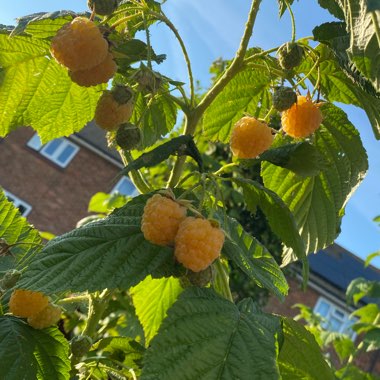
250	137
198	243
161	219
101	73
26	303
79	45
111	113
47	317
302	119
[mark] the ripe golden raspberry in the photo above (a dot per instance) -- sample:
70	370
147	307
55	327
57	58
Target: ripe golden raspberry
161	219
26	303
197	243
113	110
79	45
47	317
302	119
101	73
250	137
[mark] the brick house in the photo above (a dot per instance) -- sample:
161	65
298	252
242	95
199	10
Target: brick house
331	271
52	185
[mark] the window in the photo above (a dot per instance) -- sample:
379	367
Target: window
336	319
61	151
125	187
23	207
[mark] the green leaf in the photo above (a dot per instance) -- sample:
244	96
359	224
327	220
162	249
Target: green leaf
368	316
152	298
207	337
301	158
247	92
282	6
318	202
110	253
120	348
332	7
361	287
20	237
43	25
373	5
181	145
156	118
31	354
300	356
371	257
351	372
340	82
278	214
103	202
253	258
364	44
344	347
36	91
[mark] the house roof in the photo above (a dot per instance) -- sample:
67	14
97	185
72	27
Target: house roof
95	136
339	267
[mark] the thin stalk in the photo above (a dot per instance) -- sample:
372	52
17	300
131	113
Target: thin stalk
292	19
149	47
376	26
171	26
317	83
308	74
236	65
136	176
96	308
224	167
75	299
222	281
124	19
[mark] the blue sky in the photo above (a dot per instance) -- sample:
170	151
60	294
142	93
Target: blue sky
212	29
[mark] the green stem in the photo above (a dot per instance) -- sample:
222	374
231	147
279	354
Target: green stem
292	19
236	65
136	176
75	299
224	167
171	26
149	47
96	307
221	280
376	26
308	74
123	19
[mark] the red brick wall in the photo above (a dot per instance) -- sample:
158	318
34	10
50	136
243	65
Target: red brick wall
310	298
59	197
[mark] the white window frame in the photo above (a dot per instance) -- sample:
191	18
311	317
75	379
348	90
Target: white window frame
42	149
333	309
18	202
121	180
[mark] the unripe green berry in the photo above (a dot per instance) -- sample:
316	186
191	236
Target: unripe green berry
283	98
128	136
10	279
80	345
103	7
290	55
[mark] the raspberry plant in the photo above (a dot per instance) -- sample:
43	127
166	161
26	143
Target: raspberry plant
129	308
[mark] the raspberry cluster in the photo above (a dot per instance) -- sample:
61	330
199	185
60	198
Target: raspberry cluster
81	47
197	242
250	137
34	306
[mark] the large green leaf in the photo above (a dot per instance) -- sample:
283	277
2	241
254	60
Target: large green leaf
36	91
340	83
300	356
156	118
109	253
152	298
364	48
280	219
29	354
21	238
247	92
253	258
207	337
318	202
